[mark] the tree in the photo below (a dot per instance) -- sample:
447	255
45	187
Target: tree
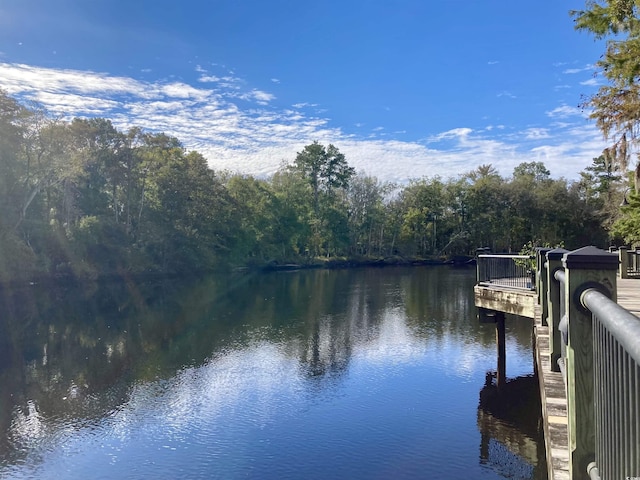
325	169
365	200
531	171
327	172
628	225
423	210
616	106
485	200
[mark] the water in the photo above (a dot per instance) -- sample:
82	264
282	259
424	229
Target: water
368	373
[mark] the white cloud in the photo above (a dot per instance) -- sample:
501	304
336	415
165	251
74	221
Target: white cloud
573	71
261	97
256	139
456	133
536	133
592	82
565	111
304	105
209	78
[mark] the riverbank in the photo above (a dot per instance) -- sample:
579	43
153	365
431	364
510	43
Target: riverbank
71	275
335	263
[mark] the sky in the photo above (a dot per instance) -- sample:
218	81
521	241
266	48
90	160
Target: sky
404	88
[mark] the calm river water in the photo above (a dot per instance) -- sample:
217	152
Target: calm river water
349	374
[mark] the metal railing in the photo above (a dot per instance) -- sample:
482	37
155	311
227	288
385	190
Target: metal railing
596	345
633	263
594	342
629	261
563	326
512	271
616	368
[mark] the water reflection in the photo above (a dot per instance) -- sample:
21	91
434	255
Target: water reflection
509	422
246	375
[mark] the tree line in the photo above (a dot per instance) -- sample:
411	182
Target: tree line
83	198
614	107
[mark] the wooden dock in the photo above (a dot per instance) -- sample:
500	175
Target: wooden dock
552	388
554	405
629	294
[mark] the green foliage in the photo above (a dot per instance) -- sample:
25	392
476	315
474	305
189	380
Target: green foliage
531	171
627	226
17	260
83	198
327	172
615	105
529	249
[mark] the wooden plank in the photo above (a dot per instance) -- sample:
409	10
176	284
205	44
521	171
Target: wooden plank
583	266
554	405
552	386
629	294
507	300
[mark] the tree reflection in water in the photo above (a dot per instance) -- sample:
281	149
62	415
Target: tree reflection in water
510	427
73	355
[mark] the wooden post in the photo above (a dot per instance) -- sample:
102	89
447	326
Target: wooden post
624	262
554	262
541	282
587	267
502	356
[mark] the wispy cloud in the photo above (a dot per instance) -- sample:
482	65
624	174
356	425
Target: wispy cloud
565	111
304	105
262	98
241	128
592	82
573	71
537	133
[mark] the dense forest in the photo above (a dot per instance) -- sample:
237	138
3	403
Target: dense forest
83	198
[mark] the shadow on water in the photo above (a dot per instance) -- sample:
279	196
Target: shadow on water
510	427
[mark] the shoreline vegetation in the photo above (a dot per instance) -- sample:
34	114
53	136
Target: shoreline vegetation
331	264
80	199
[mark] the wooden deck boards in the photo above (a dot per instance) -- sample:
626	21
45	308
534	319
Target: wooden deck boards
552	388
554	406
629	294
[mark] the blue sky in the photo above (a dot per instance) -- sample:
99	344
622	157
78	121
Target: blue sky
404	88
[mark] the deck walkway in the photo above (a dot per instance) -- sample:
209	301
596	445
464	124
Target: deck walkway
552	389
629	294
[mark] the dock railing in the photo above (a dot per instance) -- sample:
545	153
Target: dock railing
596	344
629	261
506	270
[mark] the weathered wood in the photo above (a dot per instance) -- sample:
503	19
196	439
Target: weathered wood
624	262
566	459
554	406
542	280
554	262
507	300
501	346
585	267
629	294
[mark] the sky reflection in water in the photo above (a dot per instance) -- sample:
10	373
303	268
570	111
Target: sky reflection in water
378	376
